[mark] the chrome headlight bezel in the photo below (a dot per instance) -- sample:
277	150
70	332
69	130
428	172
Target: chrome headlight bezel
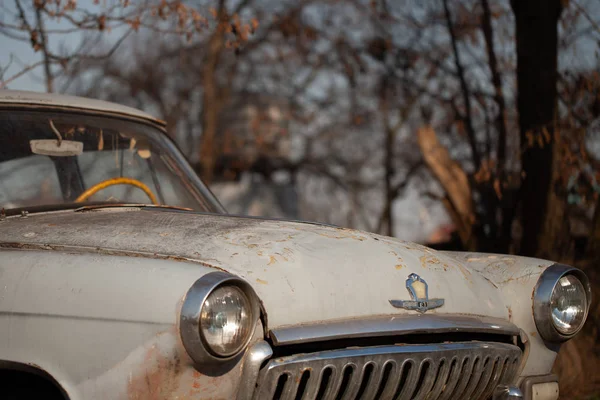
542	296
191	310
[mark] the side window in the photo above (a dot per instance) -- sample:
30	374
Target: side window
29	181
172	190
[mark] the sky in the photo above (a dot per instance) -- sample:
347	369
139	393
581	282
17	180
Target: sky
30	81
20	54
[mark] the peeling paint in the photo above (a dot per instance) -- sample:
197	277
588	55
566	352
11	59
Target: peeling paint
432	262
340	233
166	372
490	281
519	277
290	285
111	252
428	260
272	260
466	273
516	278
157	378
262	281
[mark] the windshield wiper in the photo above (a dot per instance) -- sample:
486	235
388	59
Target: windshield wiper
80	207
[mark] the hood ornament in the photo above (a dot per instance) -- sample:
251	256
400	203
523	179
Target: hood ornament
417	287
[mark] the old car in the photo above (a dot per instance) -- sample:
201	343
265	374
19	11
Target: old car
122	277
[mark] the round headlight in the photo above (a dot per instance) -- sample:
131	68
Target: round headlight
568	305
561	301
226	321
218	317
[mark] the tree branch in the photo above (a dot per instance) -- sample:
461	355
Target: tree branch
497	82
43	42
25	70
586	15
464	88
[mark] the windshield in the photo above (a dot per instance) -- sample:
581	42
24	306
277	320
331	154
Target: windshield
58	158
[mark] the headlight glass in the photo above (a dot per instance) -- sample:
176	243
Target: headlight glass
568	305
226	320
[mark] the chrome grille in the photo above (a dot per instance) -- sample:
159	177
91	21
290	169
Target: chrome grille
426	372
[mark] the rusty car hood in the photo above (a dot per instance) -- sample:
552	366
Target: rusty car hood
302	272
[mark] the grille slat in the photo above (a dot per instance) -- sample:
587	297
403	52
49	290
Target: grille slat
493	382
327	382
291	386
488	370
454	375
411	381
356	383
277	387
338	376
478	365
420	372
440	379
350	382
442	376
369	375
314	383
466	369
428	379
374	385
393	380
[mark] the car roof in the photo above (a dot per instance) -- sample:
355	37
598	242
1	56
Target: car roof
17	98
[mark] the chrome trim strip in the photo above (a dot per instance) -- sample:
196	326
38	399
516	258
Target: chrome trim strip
542	295
255	356
505	392
189	319
390	326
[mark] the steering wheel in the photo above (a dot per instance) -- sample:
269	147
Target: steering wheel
116	181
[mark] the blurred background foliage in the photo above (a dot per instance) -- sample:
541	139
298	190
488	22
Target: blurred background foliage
470	124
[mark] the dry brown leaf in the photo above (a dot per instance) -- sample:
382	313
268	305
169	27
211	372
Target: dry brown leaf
101	141
498	189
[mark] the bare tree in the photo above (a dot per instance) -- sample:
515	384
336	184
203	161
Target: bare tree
45	24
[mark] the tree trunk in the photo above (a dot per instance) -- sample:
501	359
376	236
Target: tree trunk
211	99
390	196
537	41
43	41
501	231
592	249
460	71
454	180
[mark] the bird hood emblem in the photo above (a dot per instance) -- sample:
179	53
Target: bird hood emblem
417	287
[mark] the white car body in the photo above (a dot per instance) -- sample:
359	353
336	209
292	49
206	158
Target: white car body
91	298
